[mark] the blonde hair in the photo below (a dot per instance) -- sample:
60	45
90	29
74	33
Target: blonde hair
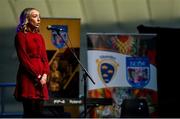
24	20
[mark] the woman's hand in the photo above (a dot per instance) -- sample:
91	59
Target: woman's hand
43	79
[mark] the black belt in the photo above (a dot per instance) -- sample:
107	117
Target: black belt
34	56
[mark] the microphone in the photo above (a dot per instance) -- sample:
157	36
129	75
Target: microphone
55	28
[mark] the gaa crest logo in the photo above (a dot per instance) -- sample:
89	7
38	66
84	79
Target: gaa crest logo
59	39
107	69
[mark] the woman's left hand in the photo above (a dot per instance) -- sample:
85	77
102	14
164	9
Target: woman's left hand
43	79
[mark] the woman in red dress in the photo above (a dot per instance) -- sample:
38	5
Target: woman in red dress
31	86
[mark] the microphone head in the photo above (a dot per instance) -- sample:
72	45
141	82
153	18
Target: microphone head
49	27
56	28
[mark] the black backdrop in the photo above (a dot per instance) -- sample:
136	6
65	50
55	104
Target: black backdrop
168	72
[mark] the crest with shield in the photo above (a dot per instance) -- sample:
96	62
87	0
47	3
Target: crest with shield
59	38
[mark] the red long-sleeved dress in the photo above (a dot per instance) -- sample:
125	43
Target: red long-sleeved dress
33	60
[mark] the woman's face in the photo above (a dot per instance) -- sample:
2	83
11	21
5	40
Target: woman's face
54	65
34	18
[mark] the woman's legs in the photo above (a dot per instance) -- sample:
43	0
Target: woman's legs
32	108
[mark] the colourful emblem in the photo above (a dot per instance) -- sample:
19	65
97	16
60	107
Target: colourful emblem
107	69
138	71
59	40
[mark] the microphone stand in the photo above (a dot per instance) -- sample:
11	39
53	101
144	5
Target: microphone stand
85	74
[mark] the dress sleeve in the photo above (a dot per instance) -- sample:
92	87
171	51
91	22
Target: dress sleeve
24	59
44	58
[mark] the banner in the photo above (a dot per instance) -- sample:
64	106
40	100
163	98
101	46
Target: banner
63	79
123	67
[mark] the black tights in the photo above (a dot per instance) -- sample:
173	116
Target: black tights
32	108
